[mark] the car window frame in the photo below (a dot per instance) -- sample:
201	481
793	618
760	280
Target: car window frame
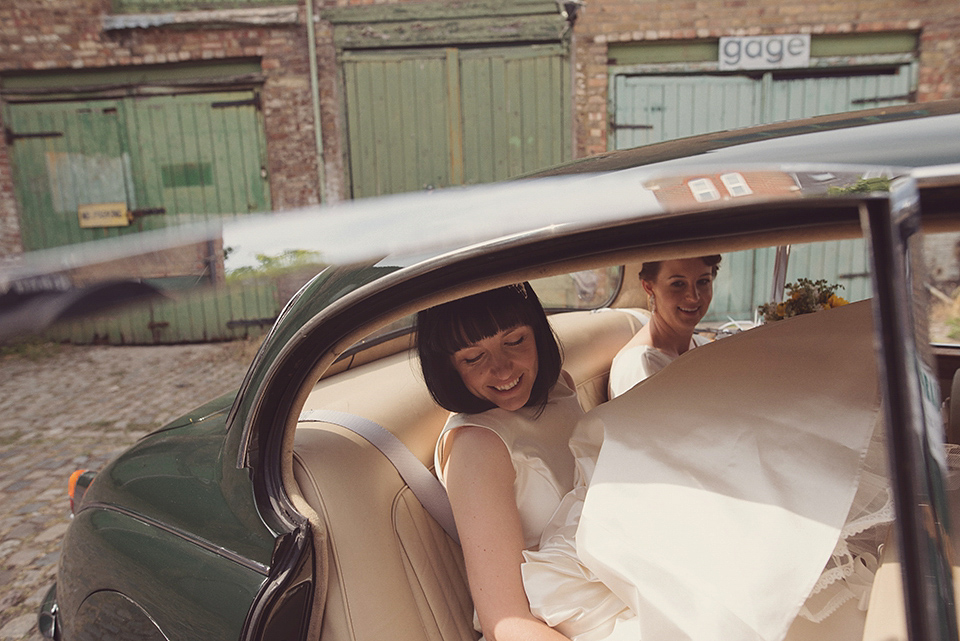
911	408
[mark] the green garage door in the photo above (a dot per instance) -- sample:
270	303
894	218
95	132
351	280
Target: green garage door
654	108
65	155
163	156
169	159
430	118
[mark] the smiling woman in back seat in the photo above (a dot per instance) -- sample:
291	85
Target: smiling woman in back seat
679	294
503	456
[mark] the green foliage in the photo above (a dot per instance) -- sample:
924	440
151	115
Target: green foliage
273	266
862	186
953	331
32	348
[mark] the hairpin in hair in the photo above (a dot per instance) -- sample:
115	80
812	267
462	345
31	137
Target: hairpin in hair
521	288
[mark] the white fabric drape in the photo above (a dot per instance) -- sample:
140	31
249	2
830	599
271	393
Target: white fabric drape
739	487
718	500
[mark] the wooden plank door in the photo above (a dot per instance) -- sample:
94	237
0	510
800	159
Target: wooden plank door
398	121
199	154
515	111
171	159
66	154
649	109
431	118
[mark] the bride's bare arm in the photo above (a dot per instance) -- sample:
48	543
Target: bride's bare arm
480	478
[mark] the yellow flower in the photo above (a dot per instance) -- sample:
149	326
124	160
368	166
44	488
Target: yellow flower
804	297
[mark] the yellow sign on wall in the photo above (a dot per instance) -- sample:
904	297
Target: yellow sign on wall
104	215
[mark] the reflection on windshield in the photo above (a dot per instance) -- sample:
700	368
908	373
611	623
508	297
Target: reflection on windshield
275	265
433	222
587	289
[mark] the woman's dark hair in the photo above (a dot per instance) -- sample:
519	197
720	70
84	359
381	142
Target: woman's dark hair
447	328
650	270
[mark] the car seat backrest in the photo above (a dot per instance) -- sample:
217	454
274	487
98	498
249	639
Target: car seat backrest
392	572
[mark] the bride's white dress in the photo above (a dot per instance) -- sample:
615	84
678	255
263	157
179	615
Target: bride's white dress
738	488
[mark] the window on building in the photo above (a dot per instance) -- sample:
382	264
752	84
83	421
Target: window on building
703	190
736	185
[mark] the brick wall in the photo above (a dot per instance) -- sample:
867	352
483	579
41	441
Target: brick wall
605	21
9	221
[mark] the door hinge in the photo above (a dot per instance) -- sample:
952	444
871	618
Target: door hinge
615	126
255	102
12	137
909	97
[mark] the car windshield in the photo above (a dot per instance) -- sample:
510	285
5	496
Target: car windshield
582	290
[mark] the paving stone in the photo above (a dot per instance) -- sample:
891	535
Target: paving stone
30	508
22	530
76	408
8	546
22	558
47	560
18	627
52	533
36	599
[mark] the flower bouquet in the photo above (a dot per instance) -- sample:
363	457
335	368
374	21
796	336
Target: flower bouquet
804	297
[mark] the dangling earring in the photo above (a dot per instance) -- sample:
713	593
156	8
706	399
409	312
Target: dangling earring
652	304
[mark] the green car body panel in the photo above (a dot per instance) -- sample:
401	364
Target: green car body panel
170	541
173	522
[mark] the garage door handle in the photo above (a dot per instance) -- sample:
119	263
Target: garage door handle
148	211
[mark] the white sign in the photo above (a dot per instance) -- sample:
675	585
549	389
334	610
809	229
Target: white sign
765	52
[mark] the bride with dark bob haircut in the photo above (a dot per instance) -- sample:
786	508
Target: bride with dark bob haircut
445	329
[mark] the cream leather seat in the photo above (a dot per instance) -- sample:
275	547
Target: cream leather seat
392	572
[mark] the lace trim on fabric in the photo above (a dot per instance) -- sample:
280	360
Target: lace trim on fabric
850	571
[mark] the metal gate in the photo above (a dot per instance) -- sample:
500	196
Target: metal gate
168	159
653	108
426	118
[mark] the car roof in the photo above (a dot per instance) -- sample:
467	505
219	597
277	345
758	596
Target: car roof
914	135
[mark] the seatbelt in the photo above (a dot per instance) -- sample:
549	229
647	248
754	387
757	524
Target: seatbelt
424	485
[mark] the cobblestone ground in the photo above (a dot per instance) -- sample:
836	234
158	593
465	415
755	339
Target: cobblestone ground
65	407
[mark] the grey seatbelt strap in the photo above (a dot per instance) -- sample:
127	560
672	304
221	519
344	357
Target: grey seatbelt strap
415	474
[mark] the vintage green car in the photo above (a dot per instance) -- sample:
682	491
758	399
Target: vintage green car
265	515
